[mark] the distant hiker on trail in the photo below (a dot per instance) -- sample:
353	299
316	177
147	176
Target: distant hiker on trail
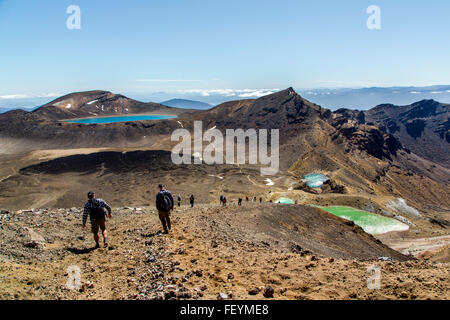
164	204
179	200
224	201
191	200
221	199
246	199
95	208
260	200
240	202
254	199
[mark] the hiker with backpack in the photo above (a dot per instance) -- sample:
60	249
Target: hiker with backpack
224	201
240	202
191	200
179	200
96	209
164	204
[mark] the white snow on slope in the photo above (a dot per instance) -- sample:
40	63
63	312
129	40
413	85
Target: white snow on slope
400	205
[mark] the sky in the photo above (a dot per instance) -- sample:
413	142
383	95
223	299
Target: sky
247	47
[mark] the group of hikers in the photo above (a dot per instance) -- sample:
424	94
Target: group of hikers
247	200
98	210
191	200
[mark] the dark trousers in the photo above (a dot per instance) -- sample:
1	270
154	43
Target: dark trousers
164	216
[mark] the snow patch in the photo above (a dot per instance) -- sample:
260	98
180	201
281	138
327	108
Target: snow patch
269	182
401	206
92	102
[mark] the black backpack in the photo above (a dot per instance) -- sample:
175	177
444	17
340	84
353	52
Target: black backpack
164	201
97	211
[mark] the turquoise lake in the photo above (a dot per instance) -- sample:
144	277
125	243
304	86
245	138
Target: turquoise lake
120	119
315	180
284	200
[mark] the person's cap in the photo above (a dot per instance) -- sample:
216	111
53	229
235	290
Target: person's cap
161	186
91	194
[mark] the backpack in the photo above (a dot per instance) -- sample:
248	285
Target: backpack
97	211
164	201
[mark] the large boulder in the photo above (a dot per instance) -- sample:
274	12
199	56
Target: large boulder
33	239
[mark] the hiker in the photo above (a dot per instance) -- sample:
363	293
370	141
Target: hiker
260	200
191	200
95	208
240	202
254	199
224	201
164	204
179	200
246	199
221	199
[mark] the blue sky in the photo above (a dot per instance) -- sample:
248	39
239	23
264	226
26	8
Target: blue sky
149	46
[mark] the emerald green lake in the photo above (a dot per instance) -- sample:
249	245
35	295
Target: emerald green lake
371	223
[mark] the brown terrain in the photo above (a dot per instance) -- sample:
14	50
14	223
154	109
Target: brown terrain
301	252
210	251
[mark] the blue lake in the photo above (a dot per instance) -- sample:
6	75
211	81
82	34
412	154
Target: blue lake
120	119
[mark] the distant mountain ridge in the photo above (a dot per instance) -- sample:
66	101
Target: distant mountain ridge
423	127
354	148
331	98
97	103
367	98
187	104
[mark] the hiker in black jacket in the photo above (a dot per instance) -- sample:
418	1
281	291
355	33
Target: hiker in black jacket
96	209
164	204
191	200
